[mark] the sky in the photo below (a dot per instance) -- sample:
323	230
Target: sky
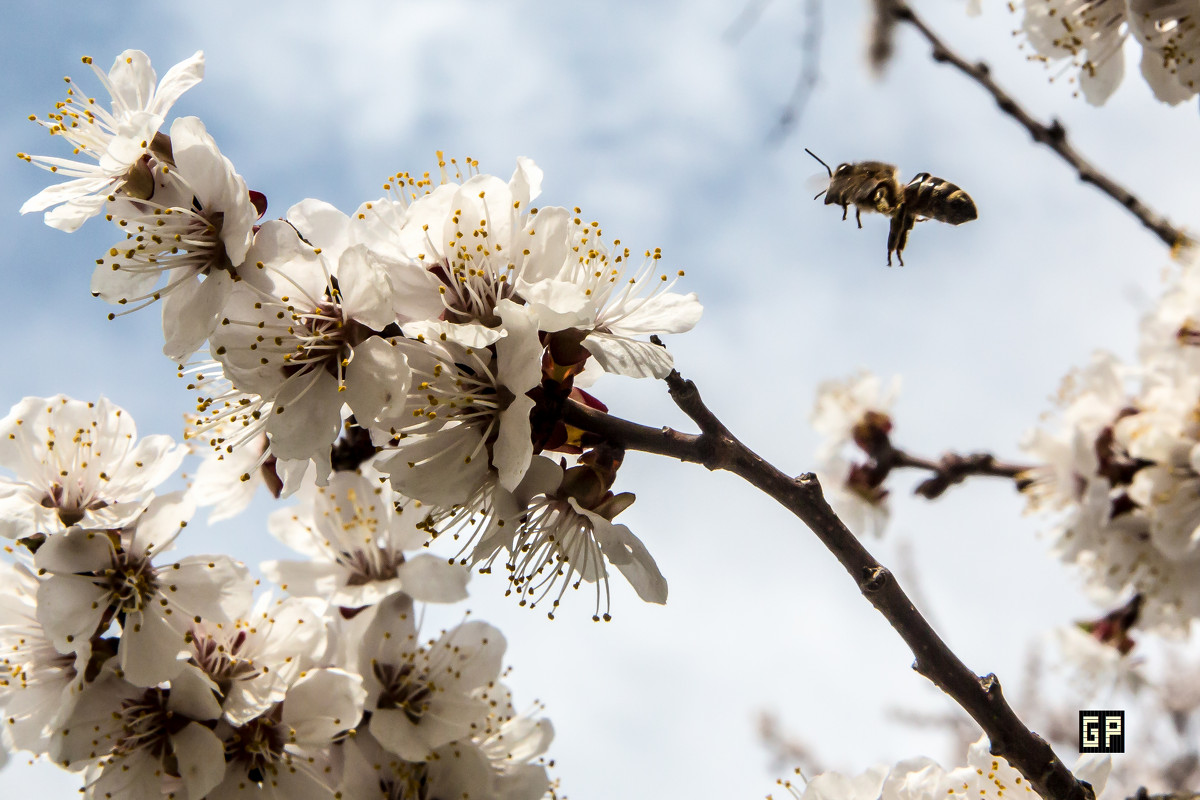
654	122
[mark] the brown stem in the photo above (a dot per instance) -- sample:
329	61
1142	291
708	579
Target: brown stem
716	448
952	469
1053	135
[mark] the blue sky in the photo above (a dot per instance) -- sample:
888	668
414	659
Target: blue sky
651	122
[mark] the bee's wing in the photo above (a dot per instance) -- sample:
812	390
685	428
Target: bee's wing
816	183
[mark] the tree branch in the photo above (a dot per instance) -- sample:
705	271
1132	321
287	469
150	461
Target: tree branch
1053	135
953	468
716	448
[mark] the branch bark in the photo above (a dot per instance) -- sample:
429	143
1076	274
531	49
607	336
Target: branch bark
952	469
1053	135
716	448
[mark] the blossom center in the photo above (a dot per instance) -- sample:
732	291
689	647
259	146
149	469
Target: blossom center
223	661
258	746
404	688
131	581
147	724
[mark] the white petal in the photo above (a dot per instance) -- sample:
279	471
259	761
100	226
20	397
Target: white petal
119	286
430	579
665	313
396	732
559	304
478	654
435	469
834	786
468	334
69	608
162	521
179	79
194	694
190	312
74	550
630	357
1099	85
201	757
77	210
214	588
322	704
304	578
526	182
307	417
377	382
514	445
149	648
18	511
1095	769
323	225
627	553
366	290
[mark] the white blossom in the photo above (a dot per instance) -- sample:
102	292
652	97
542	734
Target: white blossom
95	577
424	696
143	742
285	752
355	533
249	663
38	685
76	463
117	138
556	530
195	231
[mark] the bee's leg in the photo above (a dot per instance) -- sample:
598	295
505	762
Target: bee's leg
858	216
844	210
895	231
902	223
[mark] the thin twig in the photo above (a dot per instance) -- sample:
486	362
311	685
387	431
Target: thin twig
952	469
1053	135
809	75
746	19
716	448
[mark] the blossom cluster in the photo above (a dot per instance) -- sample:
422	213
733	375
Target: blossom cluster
433	335
401	372
1090	36
1117	468
159	676
855	411
984	777
1120	465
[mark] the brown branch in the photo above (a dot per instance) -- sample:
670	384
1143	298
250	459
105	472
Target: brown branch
716	448
1053	135
953	468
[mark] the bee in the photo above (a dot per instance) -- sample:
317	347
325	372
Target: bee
870	186
874	186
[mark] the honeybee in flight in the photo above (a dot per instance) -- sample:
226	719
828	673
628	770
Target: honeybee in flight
874	186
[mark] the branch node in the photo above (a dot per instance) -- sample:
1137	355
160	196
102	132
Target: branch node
1056	132
991	687
874	579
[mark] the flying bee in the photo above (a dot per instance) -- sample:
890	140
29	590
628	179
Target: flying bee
927	197
870	186
874	186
